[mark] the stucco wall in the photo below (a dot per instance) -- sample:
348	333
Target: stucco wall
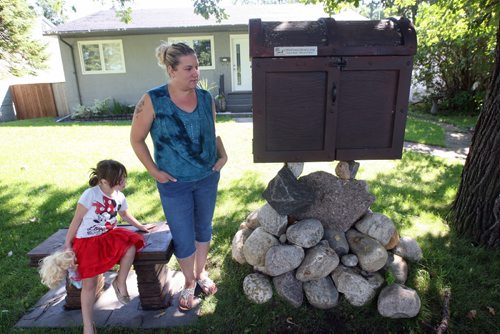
7	112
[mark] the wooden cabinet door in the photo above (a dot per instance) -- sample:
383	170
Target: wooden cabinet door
293	109
372	97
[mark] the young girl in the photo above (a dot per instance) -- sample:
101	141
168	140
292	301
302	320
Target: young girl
97	243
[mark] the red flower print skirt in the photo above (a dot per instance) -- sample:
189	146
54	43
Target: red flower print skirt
96	255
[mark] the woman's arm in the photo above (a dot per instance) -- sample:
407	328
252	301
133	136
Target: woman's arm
73	227
221	151
141	124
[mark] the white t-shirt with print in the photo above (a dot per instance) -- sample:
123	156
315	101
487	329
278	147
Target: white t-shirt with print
102	212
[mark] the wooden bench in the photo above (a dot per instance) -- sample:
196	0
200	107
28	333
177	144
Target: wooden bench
150	265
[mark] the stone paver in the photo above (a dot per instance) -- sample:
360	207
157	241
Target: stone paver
49	312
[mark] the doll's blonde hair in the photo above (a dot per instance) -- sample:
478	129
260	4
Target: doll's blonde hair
53	268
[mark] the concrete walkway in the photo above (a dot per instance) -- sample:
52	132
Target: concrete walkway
49	312
457	144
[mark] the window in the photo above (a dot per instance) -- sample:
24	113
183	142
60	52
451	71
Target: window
203	46
100	57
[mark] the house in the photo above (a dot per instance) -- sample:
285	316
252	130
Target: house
106	58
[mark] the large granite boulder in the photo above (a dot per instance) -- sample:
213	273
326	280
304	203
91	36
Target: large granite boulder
289	288
321	293
257	288
371	254
283	258
257	245
398	301
339	203
305	233
286	195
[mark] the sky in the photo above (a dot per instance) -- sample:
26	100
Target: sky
86	7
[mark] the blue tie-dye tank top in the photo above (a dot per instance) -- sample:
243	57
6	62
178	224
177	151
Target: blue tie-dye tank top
184	143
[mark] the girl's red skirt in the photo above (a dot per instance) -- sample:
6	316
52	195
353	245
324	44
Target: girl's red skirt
96	255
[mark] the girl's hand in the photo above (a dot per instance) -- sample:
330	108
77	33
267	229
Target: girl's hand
147	228
164	177
219	164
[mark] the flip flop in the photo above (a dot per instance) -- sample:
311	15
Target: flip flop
185	295
207	286
124	299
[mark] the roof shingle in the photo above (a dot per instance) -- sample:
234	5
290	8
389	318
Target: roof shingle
164	18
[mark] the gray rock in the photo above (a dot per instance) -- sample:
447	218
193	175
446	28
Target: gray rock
398	301
305	233
408	249
252	221
295	167
289	288
271	221
357	290
336	239
342	170
375	279
377	226
237	245
339	203
371	254
286	195
319	262
257	245
321	293
257	288
283	258
398	266
261	270
393	242
349	260
282	238
347	169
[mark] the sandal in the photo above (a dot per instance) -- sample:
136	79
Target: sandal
186	294
124	299
207	286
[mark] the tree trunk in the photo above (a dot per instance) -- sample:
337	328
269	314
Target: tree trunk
474	212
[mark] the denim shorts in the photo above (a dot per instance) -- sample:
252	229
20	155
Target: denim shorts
189	209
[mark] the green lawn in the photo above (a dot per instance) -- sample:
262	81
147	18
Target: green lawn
44	168
425	132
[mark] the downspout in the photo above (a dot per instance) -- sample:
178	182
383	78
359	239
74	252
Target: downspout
74	69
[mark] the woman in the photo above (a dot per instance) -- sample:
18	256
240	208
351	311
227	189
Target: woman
187	160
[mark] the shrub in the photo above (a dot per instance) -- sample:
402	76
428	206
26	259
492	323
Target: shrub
102	108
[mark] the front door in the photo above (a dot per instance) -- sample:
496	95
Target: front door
241	71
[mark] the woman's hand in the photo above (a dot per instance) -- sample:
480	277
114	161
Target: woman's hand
219	164
164	177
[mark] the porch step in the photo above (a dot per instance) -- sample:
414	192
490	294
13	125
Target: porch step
239	102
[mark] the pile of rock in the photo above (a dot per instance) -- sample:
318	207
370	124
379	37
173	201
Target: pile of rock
317	236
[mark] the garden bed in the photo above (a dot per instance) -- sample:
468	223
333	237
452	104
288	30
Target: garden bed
97	118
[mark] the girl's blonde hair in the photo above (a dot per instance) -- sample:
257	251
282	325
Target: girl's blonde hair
169	54
110	170
53	268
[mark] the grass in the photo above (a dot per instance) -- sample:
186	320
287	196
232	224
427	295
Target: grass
45	168
463	121
422	131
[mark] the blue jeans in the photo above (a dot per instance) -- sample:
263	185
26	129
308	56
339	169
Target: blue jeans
189	209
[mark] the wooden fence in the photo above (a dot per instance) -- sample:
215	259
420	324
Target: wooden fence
35	100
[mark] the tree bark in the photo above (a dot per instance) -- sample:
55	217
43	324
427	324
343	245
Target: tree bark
473	211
